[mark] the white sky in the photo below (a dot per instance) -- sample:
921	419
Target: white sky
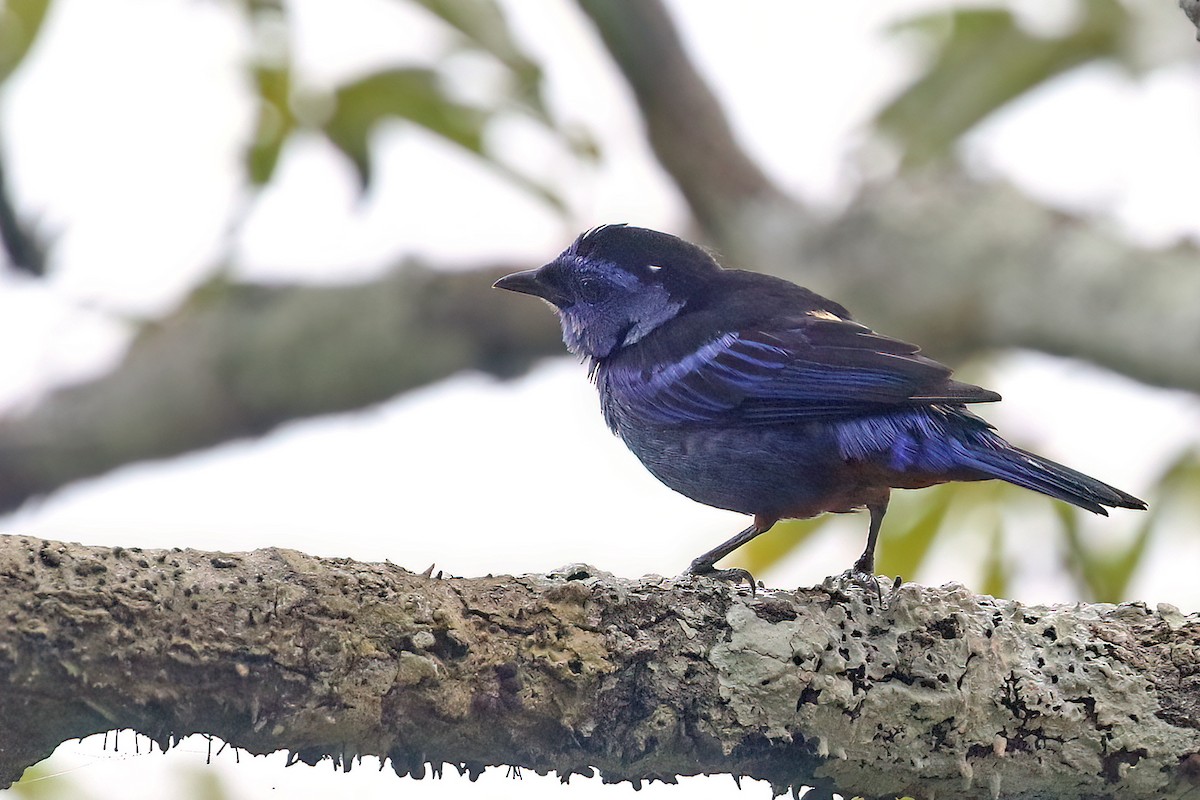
139	209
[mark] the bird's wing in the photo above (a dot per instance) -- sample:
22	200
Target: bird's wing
811	367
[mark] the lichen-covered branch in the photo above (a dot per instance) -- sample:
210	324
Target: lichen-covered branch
940	693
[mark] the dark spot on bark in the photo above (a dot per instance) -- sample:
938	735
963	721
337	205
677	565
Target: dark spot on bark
1189	768
50	558
941	731
858	679
223	562
1110	763
948	628
807	697
979	751
447	648
89	567
774	611
1089	707
579	575
575	665
1050	633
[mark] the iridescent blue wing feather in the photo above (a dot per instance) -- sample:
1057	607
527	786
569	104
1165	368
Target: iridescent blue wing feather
806	368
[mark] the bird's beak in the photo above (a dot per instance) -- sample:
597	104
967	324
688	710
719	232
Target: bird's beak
530	282
524	282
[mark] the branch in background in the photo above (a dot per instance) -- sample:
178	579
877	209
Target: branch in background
942	692
238	360
959	266
24	251
950	264
685	123
1192	9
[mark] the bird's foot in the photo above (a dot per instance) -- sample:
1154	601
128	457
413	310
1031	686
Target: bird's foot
868	581
734	575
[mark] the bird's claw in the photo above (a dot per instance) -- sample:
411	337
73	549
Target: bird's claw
867	581
734	575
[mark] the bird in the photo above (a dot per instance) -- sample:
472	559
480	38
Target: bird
747	392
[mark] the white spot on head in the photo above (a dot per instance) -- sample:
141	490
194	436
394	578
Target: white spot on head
654	268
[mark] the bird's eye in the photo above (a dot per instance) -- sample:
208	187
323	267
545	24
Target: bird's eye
592	289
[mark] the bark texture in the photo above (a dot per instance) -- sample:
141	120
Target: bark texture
939	694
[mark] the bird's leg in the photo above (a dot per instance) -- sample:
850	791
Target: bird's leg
863	570
866	562
705	564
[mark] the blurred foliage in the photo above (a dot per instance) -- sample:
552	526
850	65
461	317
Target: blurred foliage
484	28
982	58
45	781
418	93
421	94
20	22
764	552
51	780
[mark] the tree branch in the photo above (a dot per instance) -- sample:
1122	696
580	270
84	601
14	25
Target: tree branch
1192	9
239	359
941	692
24	251
685	124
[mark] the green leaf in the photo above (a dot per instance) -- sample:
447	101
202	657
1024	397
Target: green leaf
1183	475
276	121
904	546
414	94
484	26
996	571
20	22
764	552
1105	575
983	59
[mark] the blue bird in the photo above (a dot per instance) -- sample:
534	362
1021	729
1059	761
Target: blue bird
749	393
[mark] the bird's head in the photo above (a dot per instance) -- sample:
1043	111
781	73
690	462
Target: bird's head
615	284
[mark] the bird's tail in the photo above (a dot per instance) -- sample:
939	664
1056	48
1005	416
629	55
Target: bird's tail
1031	471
